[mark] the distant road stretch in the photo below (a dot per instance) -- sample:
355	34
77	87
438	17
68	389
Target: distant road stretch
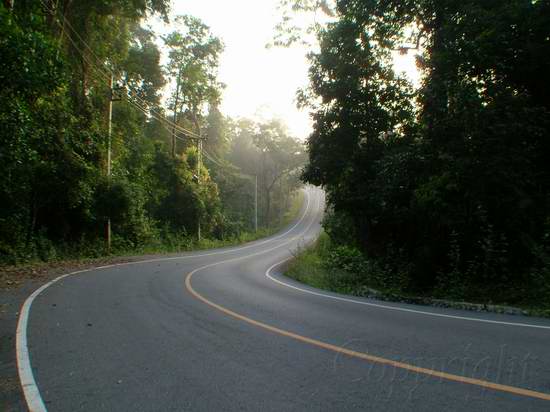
224	330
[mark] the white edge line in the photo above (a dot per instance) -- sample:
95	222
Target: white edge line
376	305
261	252
24	369
30	389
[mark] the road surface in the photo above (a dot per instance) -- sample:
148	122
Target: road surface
224	330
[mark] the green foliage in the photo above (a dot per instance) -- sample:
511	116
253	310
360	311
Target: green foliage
56	195
446	188
339	227
193	61
308	266
338	268
243	152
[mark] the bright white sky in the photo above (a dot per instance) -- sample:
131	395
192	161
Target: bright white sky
260	83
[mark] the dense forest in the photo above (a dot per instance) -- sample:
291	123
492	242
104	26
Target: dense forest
442	188
95	127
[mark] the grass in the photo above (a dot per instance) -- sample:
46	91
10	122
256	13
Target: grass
311	266
307	268
88	253
295	206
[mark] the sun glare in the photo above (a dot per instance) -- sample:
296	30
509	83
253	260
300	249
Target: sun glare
259	79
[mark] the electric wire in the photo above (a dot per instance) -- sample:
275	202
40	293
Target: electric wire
226	167
106	74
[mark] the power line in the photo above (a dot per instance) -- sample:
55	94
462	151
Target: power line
227	167
211	158
106	73
162	121
97	71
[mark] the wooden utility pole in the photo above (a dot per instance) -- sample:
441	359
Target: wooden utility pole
256	203
199	160
175	114
109	132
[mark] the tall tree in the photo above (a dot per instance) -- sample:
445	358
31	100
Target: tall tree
193	61
280	158
450	178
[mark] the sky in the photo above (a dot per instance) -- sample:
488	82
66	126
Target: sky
260	83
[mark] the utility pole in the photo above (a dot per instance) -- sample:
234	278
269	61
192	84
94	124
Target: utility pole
256	203
110	129
175	114
199	160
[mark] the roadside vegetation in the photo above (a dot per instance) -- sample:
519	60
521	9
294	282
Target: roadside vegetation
441	188
12	276
57	186
346	270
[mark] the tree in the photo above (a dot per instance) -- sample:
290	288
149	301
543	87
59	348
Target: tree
193	61
216	133
58	59
451	179
280	158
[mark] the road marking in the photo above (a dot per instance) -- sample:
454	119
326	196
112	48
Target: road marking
377	305
30	389
371	358
338	349
360	355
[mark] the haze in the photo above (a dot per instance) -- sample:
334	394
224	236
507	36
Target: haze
261	83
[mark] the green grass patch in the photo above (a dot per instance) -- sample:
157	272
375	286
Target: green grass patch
310	266
340	269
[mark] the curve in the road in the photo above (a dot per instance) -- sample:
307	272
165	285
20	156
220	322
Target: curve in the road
30	389
239	288
338	349
377	305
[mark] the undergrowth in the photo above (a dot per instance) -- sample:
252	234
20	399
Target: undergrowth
41	250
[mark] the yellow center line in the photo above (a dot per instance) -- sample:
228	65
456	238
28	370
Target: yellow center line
339	349
371	358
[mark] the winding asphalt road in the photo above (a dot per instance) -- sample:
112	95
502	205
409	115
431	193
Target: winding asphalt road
223	330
